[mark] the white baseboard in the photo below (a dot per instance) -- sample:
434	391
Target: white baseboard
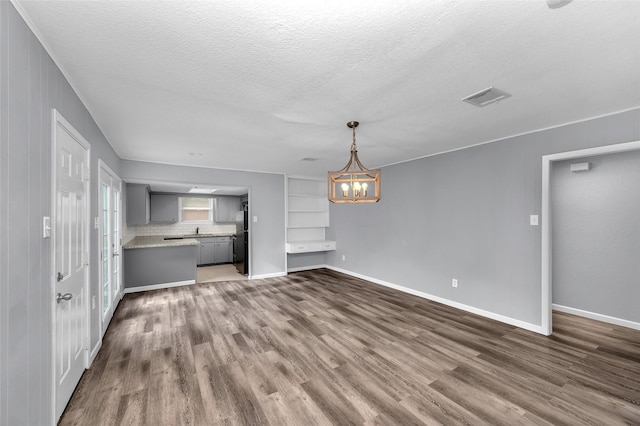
306	268
158	286
487	314
596	316
272	275
94	352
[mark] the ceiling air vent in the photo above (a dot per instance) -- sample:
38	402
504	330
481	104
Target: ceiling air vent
309	159
486	97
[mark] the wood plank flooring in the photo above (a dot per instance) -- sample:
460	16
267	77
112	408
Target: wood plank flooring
321	348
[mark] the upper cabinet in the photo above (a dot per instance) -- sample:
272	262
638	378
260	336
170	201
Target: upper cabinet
226	208
138	204
165	208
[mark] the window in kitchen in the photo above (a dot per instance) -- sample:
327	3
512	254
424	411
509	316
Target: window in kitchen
196	209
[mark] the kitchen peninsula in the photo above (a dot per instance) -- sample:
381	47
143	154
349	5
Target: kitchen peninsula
155	262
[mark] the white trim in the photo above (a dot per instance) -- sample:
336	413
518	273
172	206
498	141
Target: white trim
597	317
263	276
197	166
546	230
487	314
57	118
306	268
513	136
94	351
158	286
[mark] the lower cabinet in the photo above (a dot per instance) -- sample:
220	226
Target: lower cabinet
224	250
215	250
207	252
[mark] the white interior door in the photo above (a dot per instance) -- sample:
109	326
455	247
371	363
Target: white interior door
71	259
110	242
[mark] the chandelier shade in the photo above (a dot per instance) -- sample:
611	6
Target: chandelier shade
354	183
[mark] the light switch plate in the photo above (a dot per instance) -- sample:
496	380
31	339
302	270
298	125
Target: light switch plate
255	219
46	227
533	220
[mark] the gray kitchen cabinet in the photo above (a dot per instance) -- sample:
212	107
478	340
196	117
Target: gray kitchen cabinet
207	252
151	266
164	208
215	250
226	208
138	210
223	250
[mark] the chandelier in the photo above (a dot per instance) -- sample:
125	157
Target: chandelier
354	183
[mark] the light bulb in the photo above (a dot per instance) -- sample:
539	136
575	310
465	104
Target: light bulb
345	190
364	189
356	189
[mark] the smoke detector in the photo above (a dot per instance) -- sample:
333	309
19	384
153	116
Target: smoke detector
486	97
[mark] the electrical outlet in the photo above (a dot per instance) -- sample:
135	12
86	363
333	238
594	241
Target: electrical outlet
93	302
454	283
533	220
344	257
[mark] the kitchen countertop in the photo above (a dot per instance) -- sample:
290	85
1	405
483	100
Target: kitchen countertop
181	240
159	241
222	234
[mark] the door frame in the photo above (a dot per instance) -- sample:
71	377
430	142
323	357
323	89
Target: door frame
547	231
57	118
102	169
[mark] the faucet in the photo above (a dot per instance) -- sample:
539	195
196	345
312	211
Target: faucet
197	230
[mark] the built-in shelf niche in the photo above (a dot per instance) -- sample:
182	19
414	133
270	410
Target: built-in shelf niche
307	215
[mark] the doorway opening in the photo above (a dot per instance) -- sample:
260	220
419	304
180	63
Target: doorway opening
547	161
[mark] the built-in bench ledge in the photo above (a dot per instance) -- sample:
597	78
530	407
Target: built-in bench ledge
310	246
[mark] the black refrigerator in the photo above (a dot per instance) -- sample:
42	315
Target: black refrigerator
241	241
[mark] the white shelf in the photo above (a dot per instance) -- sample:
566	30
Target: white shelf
310	246
307	215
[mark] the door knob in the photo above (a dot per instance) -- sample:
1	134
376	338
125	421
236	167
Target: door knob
61	297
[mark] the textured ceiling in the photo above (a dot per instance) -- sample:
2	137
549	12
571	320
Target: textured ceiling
260	85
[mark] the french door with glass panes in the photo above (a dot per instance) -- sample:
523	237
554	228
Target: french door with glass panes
110	243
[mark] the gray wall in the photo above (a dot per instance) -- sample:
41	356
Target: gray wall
465	215
596	235
305	260
267	202
30	86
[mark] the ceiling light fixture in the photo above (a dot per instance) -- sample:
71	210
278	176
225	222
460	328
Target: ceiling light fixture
198	190
354	183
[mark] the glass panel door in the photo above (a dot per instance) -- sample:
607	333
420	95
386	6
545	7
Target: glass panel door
106	252
115	241
110	242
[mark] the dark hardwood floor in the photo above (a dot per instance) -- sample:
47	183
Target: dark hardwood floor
320	347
